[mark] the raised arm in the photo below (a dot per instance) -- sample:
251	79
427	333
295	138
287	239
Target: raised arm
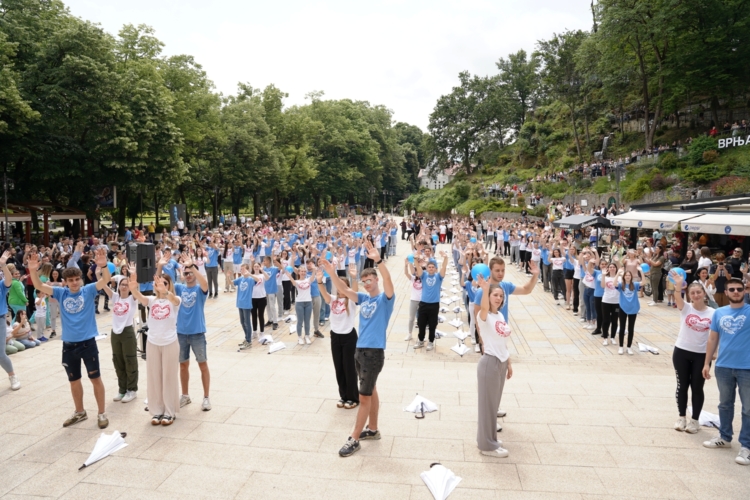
373	254
187	262
323	291
444	267
341	287
102	269
33	267
135	288
7	277
529	286
484	307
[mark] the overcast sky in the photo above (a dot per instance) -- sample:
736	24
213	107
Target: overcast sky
398	53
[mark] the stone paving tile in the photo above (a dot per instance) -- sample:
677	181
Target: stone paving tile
582	421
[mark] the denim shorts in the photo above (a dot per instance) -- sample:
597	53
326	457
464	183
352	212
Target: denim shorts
75	352
197	341
369	363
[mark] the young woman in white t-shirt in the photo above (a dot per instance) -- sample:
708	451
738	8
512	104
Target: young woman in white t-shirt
343	339
610	302
303	306
162	362
493	368
689	353
260	298
416	296
123	339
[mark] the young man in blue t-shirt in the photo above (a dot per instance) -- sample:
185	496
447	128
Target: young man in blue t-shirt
730	330
375	309
79	330
429	306
191	329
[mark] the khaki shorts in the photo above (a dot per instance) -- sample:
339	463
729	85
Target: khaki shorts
228	267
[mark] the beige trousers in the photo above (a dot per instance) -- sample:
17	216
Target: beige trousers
163	377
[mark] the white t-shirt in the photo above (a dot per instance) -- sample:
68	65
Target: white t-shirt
694	328
259	289
557	263
588	280
576	271
494	331
416	289
123	311
40	316
201	265
341	322
162	321
704	262
611	294
303	289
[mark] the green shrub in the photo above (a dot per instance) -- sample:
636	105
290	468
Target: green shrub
710	156
462	190
698	147
659	182
703	174
602	186
638	189
668	161
731	185
584	183
568	162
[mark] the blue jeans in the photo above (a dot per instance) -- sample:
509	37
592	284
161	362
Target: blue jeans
729	380
304	312
325	309
246	320
588	299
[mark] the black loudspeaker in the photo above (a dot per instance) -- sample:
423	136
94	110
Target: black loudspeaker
144	257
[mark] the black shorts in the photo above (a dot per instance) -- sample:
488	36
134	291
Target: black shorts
368	362
75	352
568	273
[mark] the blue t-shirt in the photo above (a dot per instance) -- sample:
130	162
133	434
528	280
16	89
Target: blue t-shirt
3	300
374	314
170	268
733	326
431	287
146	287
567	265
598	289
270	284
237	255
244	292
213	257
191	319
545	257
628	299
77	312
470	292
508	288
314	290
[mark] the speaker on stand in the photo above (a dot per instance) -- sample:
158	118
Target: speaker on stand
143	255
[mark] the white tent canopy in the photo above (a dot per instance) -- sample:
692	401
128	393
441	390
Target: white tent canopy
719	223
666	221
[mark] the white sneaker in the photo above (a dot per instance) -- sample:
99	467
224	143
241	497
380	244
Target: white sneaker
606	342
652	303
716	442
307	340
575	314
14	383
693	427
621	351
185	400
129	396
300	341
681	424
407	338
118	397
630	351
418	344
500	429
582	320
430	346
206	406
743	457
501	413
588	326
498	453
476	348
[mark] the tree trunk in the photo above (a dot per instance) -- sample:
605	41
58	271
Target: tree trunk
275	204
715	111
256	204
121	212
575	132
156	209
316	207
586	121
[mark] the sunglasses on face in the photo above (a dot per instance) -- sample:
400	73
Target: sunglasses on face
735	290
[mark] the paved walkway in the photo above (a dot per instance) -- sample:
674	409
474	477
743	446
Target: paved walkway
582	422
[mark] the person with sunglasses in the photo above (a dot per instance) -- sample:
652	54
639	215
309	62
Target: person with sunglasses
730	332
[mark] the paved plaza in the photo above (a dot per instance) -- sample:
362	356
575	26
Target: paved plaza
582	422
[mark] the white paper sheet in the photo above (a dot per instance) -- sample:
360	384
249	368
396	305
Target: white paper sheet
440	481
276	346
460	349
416	405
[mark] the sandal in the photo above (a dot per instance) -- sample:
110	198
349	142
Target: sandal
156	419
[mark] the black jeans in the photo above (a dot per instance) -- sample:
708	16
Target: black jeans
630	319
599	315
558	283
577	296
287	290
343	346
688	367
506	248
259	311
428	316
609	311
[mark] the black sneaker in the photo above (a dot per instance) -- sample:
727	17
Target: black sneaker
268	323
350	447
369	434
53	334
596	333
275	326
319	335
97	311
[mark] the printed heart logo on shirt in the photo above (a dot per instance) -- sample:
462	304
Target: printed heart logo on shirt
159	311
338	306
368	309
188	299
121	308
695	322
610	285
732	325
417	284
243	286
588	278
628	293
502	328
303	285
73	305
431	280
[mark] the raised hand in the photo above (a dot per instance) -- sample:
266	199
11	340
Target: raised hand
353	271
319	274
372	252
4	258
100	258
186	260
159	285
33	262
327	266
483	284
